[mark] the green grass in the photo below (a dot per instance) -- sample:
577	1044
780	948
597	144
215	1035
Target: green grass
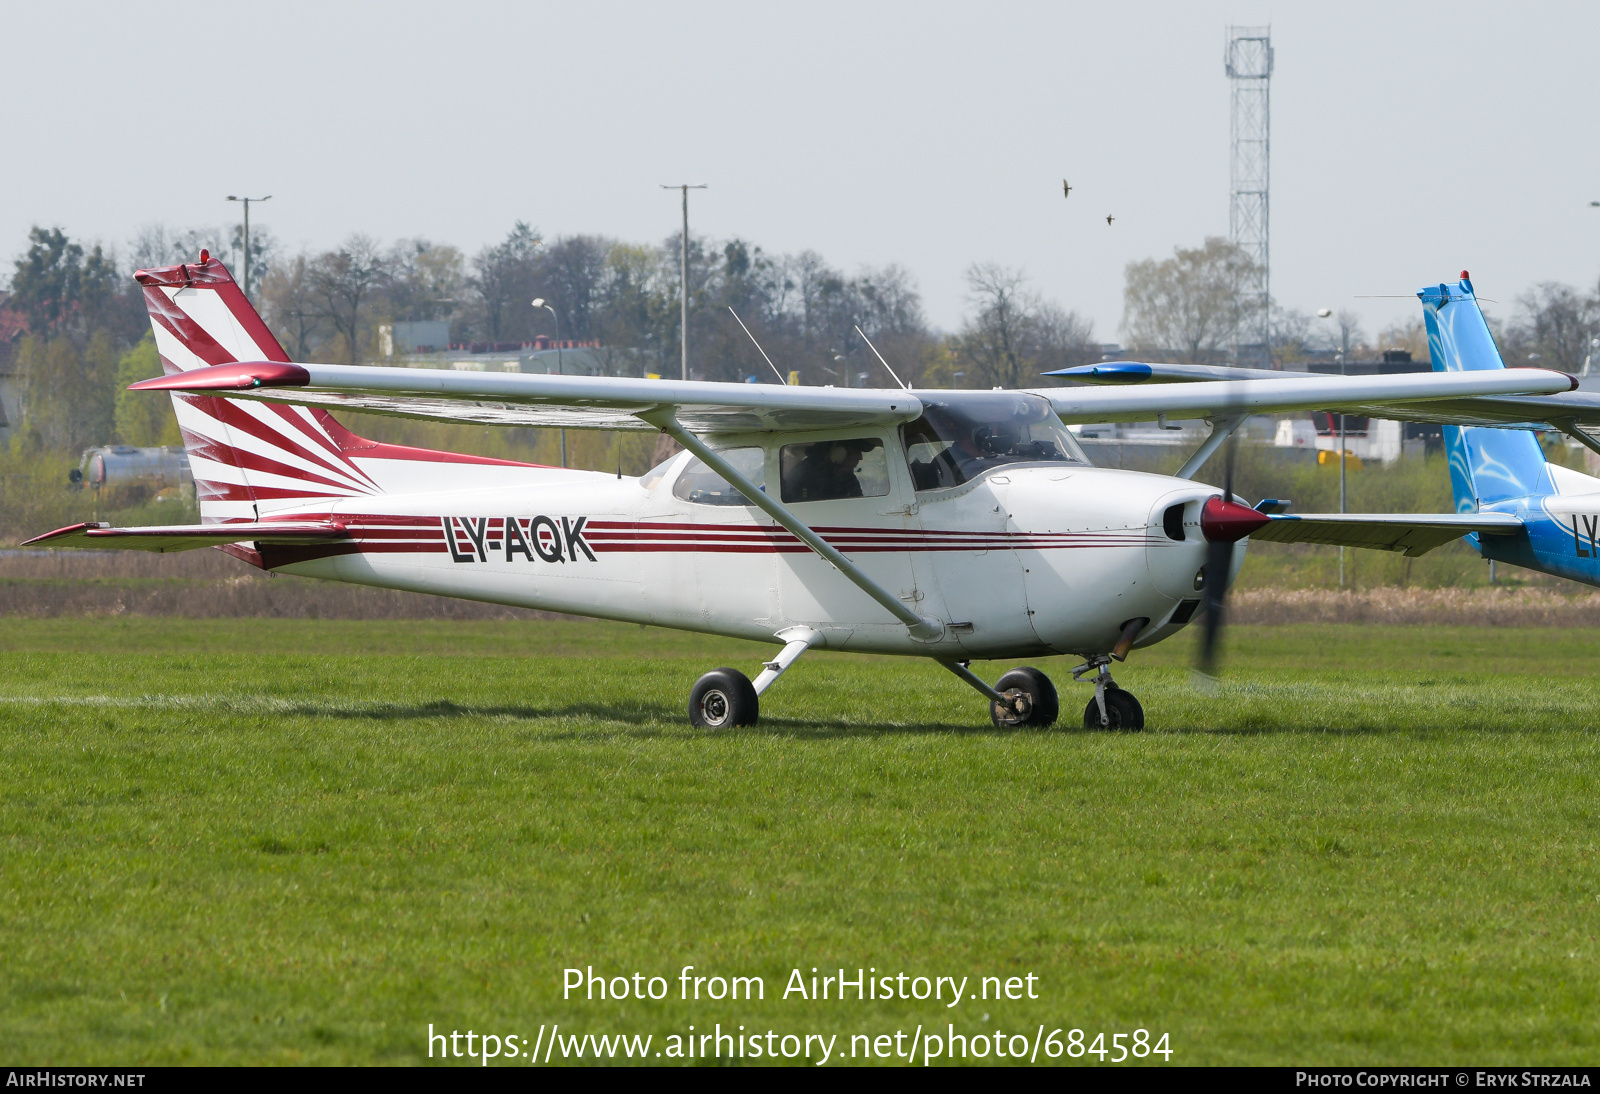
293	841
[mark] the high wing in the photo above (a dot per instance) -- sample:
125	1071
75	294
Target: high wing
1369	396
186	537
570	402
1566	411
1413	533
594	402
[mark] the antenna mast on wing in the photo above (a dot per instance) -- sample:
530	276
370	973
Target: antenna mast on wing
874	349
759	350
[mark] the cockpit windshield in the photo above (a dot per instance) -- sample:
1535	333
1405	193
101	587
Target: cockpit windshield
957	440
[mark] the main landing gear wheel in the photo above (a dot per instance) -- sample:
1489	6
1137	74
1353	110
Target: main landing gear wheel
1123	712
1030	700
723	698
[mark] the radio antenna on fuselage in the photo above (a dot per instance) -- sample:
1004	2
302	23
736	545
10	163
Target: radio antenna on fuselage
874	349
764	357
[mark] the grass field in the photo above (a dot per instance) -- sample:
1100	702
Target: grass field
303	841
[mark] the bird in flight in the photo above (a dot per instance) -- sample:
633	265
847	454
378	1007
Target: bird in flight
1066	191
1109	219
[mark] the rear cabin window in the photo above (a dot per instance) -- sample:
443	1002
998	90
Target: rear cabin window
830	470
703	486
652	478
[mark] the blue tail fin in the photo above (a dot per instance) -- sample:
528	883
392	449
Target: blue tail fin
1486	465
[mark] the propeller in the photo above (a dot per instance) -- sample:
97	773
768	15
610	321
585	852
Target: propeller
1223	523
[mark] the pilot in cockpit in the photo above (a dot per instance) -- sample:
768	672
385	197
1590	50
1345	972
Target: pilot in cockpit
826	470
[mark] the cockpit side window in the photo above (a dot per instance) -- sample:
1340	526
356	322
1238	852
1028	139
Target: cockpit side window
928	454
699	484
956	441
830	470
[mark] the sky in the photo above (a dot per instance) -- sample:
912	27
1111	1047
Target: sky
1409	142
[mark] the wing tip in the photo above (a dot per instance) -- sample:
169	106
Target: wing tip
238	376
69	530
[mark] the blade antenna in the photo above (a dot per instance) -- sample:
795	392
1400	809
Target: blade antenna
781	378
874	349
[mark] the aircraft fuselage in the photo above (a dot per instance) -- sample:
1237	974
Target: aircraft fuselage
1026	561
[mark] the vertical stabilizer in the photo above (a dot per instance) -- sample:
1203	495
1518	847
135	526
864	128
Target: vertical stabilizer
252	458
249	459
1486	465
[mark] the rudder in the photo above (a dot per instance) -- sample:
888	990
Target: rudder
1486	465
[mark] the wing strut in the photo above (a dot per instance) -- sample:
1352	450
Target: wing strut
1221	430
1569	426
921	626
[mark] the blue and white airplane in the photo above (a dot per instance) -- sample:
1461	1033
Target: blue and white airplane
1528	512
1505	471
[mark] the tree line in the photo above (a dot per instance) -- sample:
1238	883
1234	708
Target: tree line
1188	308
83	336
75	331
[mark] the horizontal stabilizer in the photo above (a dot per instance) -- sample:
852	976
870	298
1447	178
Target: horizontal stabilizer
186	537
1413	533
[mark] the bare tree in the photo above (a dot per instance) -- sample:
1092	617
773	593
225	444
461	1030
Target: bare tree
156	244
426	280
1554	326
342	283
1409	335
1188	304
291	309
890	303
1062	339
263	252
1346	336
993	340
1015	336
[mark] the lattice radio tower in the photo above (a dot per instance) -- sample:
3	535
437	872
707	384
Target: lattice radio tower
1249	65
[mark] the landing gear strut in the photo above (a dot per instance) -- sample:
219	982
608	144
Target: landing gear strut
726	697
1111	707
1023	697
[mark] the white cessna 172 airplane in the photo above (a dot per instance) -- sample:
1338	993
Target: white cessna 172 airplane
949	525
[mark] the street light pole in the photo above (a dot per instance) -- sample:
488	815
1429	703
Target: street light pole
1344	349
684	265
539	302
247	202
1341	475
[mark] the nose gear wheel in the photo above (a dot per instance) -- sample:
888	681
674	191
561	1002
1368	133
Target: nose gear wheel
1111	708
1123	712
